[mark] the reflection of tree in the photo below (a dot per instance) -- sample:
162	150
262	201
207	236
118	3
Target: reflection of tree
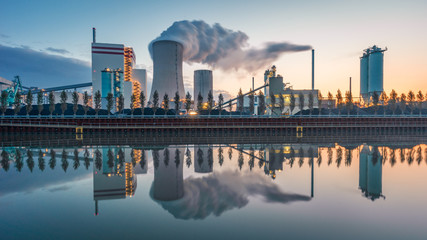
347	157
419	155
177	160
121	155
301	157
143	160
425	155
230	153
5	160
64	162
240	159
319	157
76	163
199	157
210	158
410	156
385	155
86	159
110	156
220	156
329	156
311	155
52	161
251	159
156	158
392	157
402	155
166	157
30	160
188	157
42	164
19	164
291	157
339	157
98	159
261	156
375	157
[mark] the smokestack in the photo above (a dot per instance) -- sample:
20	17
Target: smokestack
350	86
253	83
94	35
312	69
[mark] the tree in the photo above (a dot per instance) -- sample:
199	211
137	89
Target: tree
188	102
176	100
40	102
251	102
393	101
330	102
75	99
403	103
319	102
4	103
199	102
292	103
51	103
375	100
272	103
155	103
339	101
133	103
110	102
240	101
63	100
85	102
310	102
166	102
220	102
210	101
384	100
301	102
261	106
17	103
348	101
411	100
420	98
120	103
97	101
230	106
142	102
29	102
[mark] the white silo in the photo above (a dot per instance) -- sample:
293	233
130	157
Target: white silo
203	83
167	69
364	81
376	70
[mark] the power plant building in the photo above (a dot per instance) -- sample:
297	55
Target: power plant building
372	72
203	84
167	69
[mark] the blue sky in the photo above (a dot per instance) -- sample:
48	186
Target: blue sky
338	30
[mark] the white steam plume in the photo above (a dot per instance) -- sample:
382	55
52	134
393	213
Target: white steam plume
223	48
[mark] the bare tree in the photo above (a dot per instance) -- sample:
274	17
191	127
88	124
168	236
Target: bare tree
210	101
166	102
339	101
97	101
17	103
220	102
188	102
142	102
155	103
29	102
110	103
40	102
120	103
176	100
75	99
63	100
51	103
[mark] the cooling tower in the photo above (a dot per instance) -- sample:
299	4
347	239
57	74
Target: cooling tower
167	69
203	83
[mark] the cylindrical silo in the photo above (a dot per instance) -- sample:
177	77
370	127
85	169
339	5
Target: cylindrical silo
203	83
376	70
167	69
374	185
364	87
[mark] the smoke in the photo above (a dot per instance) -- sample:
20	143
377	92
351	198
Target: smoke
223	48
220	192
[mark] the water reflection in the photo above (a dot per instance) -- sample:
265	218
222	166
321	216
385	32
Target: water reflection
224	177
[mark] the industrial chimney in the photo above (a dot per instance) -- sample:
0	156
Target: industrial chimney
167	69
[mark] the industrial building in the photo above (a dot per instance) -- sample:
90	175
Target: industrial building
167	69
109	61
203	84
371	72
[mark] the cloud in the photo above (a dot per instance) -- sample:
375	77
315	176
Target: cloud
57	50
221	192
42	69
60	188
223	48
4	35
226	94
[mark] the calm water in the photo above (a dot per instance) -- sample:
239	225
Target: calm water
253	191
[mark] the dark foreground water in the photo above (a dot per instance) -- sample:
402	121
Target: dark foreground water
254	191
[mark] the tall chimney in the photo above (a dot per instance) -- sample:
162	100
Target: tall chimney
312	69
350	86
253	83
94	35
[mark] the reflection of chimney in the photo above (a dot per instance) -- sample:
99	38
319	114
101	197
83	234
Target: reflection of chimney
94	35
96	207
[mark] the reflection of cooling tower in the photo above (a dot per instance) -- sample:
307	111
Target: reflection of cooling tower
168	182
167	69
203	83
370	172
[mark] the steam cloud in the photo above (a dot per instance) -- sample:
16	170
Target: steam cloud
224	191
223	48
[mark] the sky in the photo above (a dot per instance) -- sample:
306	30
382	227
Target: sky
47	43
